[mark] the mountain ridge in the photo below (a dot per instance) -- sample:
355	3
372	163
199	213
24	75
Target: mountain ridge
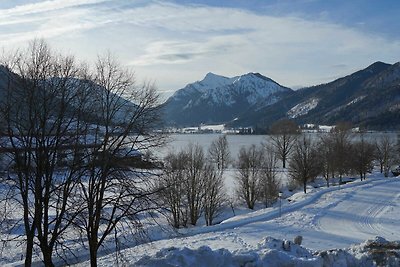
369	98
365	98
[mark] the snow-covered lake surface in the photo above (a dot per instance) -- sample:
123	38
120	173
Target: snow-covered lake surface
180	141
235	141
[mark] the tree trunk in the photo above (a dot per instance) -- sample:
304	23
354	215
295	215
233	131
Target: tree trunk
386	171
47	257
93	256
305	186
29	251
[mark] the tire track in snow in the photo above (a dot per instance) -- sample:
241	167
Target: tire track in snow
376	221
259	216
368	223
358	214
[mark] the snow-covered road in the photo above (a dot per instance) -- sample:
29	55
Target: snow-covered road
372	209
327	218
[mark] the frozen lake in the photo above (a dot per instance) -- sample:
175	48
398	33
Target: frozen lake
180	141
235	142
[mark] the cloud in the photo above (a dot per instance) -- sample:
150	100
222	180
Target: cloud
176	44
183	51
165	52
291	49
45	6
46	19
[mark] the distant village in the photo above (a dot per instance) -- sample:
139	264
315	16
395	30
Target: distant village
211	129
220	129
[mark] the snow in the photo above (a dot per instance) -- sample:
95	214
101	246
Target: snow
331	220
276	252
342	107
212	80
355	100
394	107
220	90
270	253
213	127
334	223
262	88
325	128
303	108
252	87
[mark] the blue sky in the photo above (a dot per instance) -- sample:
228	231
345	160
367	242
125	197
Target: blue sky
296	43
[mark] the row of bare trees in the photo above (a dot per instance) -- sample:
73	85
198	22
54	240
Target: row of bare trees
54	108
193	183
339	153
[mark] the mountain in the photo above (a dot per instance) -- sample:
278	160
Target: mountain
219	99
75	87
369	98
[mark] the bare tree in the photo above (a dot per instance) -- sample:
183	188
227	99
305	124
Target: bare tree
340	135
283	136
304	163
73	139
385	151
114	193
327	157
219	154
362	156
195	181
191	186
40	126
214	193
269	182
173	188
249	167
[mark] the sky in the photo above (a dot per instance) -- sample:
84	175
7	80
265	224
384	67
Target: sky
172	43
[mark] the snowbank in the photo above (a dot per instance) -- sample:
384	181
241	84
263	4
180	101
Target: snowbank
275	252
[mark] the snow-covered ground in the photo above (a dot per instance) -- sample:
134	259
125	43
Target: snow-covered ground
327	218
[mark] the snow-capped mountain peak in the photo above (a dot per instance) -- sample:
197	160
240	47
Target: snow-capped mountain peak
224	97
215	79
212	80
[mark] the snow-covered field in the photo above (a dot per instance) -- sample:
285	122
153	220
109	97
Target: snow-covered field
327	218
